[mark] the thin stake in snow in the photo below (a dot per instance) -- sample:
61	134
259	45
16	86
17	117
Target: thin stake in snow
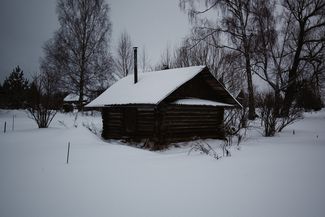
68	154
5	127
13	122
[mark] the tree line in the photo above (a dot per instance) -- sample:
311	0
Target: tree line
281	42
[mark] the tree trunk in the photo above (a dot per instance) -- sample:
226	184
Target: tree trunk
81	87
251	100
277	102
291	91
81	92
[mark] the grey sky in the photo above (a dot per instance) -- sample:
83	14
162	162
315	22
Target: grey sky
26	25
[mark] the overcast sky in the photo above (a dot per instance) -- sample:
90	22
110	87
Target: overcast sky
26	25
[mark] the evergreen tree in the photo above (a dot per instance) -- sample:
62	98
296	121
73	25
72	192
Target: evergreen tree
2	96
34	95
15	88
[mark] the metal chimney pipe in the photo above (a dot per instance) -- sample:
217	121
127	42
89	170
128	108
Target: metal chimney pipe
135	65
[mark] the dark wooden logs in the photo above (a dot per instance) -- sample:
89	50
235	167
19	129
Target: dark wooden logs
165	124
184	122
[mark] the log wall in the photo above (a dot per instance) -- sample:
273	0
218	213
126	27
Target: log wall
115	123
167	124
185	122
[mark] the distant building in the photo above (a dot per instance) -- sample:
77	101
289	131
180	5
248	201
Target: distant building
165	106
73	100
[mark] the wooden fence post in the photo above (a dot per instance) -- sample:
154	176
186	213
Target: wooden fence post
68	153
13	122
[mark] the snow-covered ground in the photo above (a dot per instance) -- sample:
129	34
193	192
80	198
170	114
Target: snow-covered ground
283	176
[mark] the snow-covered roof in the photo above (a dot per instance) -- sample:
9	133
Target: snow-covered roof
151	88
73	98
195	101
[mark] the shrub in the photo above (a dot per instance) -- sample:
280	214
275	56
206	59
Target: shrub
270	120
39	107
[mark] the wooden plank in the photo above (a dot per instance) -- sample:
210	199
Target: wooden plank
182	108
191	129
190	117
142	109
146	114
180	124
111	116
113	121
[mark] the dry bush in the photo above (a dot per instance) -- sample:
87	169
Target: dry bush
40	108
42	115
272	122
235	124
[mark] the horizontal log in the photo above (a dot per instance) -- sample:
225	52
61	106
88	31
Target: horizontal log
169	124
172	130
190	130
145	113
114	119
190	117
192	113
150	118
115	112
144	135
191	120
200	132
193	110
148	124
145	118
110	116
146	109
113	122
188	121
180	124
145	125
149	121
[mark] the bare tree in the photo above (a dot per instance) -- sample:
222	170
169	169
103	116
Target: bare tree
51	66
124	57
225	65
237	25
79	48
182	55
268	52
166	59
307	21
144	61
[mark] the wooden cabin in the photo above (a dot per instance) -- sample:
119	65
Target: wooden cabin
165	106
